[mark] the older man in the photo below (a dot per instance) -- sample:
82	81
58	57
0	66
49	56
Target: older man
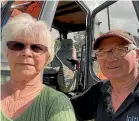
118	98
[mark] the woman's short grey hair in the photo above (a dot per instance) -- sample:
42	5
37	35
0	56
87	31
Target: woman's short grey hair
26	26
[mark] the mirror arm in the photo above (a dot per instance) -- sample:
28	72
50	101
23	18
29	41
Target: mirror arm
136	6
103	6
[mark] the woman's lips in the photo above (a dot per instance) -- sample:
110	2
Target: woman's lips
25	64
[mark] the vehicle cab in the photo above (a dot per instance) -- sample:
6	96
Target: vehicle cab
74	25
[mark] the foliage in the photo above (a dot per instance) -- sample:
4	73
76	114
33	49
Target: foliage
57	45
79	38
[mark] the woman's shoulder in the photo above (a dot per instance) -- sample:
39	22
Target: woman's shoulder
58	105
3	90
54	95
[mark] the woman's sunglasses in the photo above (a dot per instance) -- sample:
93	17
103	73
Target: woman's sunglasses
18	46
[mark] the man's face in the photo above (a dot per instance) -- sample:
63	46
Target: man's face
116	67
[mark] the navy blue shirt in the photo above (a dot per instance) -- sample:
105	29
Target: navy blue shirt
95	103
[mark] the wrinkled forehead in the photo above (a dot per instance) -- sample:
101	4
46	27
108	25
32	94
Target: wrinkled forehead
111	42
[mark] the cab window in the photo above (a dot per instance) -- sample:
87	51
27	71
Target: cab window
17	7
117	17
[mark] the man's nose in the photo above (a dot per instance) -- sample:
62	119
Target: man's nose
27	52
111	57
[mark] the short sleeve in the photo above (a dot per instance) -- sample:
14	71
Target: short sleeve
61	109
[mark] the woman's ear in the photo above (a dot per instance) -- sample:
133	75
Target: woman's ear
5	53
47	60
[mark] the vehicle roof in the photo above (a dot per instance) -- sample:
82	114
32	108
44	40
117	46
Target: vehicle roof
69	17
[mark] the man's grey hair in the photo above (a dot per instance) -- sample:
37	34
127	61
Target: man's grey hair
26	26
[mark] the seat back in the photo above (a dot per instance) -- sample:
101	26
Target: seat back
66	51
66	78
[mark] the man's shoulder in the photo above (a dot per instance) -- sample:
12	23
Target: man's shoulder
94	90
97	87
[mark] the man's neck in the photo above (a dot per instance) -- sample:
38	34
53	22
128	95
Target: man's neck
125	85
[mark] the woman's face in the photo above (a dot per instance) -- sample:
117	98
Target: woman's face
26	62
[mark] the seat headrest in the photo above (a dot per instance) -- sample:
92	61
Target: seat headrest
67	44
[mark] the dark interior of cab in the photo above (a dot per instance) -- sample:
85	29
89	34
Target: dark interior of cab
69	17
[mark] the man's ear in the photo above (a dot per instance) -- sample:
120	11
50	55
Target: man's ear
137	51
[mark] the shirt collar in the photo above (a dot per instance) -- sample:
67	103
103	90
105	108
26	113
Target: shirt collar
106	89
136	91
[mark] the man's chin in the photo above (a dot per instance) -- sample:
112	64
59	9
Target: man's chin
115	77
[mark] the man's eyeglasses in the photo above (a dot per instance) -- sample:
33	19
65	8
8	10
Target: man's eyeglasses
37	49
116	52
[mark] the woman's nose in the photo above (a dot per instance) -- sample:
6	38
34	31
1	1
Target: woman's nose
27	52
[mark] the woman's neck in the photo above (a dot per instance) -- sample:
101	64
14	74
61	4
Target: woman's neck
19	89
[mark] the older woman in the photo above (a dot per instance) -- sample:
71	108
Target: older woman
28	47
117	99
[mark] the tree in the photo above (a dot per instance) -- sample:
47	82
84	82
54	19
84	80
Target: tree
57	45
79	38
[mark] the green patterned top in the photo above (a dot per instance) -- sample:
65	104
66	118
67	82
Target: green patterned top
49	105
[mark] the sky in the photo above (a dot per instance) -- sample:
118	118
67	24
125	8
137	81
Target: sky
122	16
